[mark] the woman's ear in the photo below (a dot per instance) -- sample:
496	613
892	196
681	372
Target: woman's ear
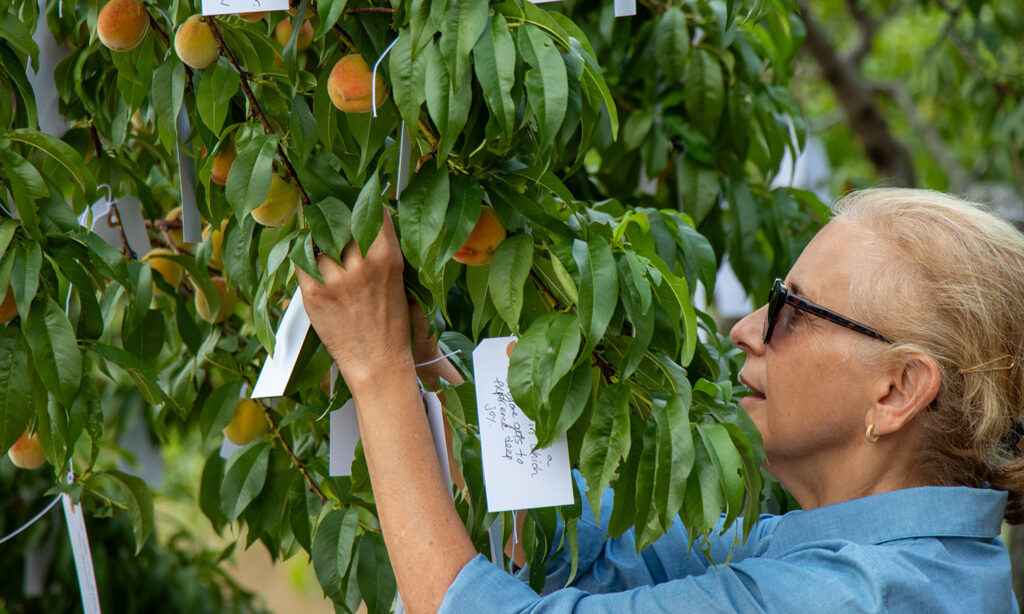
907	388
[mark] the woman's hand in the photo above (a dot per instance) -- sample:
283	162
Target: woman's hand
360	311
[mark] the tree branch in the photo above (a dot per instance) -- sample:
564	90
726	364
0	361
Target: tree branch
295	460
254	105
889	156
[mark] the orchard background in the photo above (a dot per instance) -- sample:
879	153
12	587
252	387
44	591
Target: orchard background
625	157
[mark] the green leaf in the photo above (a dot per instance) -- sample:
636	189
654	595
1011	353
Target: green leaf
368	214
244	477
64	154
329	12
248	180
140	506
461	215
606	442
167	94
54	348
7	228
509	270
219	84
704	91
143	375
209	489
703	503
698	186
373	572
15	387
599	287
219	408
333	545
421	212
547	82
330	222
407	74
24	277
635	130
673	422
681	292
464	22
543	355
302	126
448	101
494	62
671	43
727	461
569	398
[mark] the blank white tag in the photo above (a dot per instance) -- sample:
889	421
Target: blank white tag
343	439
404	158
290	335
515	476
435	416
191	224
222	7
44	87
83	556
625	8
130	211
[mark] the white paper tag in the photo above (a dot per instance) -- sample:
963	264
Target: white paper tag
129	209
191	224
515	476
435	417
542	1
44	87
83	556
290	335
223	7
404	159
625	8
343	439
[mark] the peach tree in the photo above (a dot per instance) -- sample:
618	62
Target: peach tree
616	159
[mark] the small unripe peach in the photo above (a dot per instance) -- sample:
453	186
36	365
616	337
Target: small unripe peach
122	24
485	237
27	452
194	43
228	298
217	244
169	269
248	423
280	206
176	234
283	32
253	17
349	85
222	165
8	308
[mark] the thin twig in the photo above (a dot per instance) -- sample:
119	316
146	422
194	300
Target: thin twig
298	464
125	248
255	106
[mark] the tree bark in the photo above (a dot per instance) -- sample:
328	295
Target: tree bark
889	156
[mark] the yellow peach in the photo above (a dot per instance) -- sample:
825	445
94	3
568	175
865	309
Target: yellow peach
170	270
253	17
217	243
248	422
280	206
485	237
349	85
122	24
283	31
222	165
228	298
27	452
194	43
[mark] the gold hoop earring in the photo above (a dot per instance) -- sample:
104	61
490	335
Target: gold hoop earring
869	435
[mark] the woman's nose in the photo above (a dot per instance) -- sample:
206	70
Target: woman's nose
747	333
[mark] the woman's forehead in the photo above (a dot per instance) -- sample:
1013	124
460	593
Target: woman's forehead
838	254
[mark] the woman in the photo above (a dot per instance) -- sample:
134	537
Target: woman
886	379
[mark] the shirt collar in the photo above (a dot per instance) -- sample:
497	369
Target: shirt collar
929	511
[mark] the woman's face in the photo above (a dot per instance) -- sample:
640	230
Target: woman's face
811	388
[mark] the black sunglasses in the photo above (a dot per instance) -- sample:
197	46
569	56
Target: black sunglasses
780	296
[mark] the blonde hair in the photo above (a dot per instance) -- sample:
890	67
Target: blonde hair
951	285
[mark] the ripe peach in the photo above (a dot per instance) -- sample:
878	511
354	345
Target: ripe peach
280	206
217	241
122	24
283	32
176	234
222	165
8	308
228	298
248	423
485	237
253	17
169	269
349	85
194	43
27	452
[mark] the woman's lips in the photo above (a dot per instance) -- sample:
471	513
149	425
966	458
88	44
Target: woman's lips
754	392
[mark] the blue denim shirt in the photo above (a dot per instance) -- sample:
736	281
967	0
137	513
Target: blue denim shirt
914	551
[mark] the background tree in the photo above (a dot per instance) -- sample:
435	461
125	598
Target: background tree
623	157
